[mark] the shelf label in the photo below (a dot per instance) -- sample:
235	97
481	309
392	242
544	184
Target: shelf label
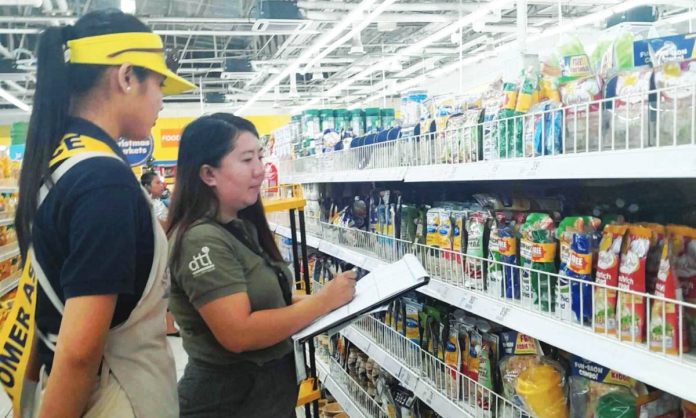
504	311
469	305
533	168
406	377
494	168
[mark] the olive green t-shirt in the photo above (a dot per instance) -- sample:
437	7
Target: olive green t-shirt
213	264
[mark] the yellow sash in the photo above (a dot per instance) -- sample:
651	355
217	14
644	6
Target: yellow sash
17	334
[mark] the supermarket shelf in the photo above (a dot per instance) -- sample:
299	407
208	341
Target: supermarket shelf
9	283
408	378
341	397
663	162
354	400
9	250
635	360
7	221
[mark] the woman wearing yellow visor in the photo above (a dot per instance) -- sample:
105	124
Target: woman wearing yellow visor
87	228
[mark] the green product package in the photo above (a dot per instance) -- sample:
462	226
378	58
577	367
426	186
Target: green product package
616	405
538	253
509	131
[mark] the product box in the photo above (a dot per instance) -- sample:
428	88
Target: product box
665	49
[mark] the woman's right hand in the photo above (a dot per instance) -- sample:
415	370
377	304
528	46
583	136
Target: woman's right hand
339	290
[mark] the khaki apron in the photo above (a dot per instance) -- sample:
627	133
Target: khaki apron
138	376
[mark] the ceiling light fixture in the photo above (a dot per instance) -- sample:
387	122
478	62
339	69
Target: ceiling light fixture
310	52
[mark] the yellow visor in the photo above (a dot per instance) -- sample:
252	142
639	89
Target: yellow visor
141	49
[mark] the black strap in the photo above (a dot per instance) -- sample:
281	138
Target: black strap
282	278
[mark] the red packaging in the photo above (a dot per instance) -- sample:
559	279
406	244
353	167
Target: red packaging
608	274
631	312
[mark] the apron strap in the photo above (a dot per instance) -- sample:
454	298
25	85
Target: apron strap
67	163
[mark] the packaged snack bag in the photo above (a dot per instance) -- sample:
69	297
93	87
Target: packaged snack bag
471	137
631	308
509	253
432	239
577	236
538	252
484	394
494	278
590	383
665	333
413	327
627	127
458	246
684	252
582	116
453	353
509	127
476	229
608	274
652	264
542	389
675	80
657	404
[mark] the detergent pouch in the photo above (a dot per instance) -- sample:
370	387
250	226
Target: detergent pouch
542	389
538	255
453	353
493	101
544	130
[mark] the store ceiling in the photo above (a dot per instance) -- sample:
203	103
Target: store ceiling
205	34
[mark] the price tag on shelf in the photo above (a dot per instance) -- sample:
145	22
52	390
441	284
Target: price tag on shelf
424	392
494	168
469	304
504	311
532	169
407	378
428	397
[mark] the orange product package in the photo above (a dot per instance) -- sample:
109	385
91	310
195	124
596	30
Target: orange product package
683	240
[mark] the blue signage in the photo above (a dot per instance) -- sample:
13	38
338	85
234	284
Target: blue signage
136	151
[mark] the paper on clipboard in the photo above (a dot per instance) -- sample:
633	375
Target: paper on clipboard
374	290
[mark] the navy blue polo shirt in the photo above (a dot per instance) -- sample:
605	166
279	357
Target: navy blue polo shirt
93	236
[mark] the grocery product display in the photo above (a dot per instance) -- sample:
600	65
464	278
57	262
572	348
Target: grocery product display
536	157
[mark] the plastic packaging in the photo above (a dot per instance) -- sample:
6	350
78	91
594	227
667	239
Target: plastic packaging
684	252
538	252
542	389
476	230
608	274
665	332
631	308
412	326
357	122
373	121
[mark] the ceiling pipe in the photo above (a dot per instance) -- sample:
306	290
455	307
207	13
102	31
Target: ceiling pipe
34	31
21	3
385	17
405	7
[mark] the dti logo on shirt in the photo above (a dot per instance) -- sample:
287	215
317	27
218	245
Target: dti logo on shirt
201	262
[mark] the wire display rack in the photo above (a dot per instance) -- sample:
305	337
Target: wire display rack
609	138
478	285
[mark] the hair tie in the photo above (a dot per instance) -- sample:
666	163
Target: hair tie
68	33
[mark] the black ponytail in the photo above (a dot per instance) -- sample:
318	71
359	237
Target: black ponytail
46	127
57	83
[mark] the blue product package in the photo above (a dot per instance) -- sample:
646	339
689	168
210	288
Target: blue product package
579	266
548	131
668	48
507	246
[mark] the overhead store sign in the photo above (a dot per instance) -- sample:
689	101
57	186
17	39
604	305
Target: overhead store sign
170	138
136	151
